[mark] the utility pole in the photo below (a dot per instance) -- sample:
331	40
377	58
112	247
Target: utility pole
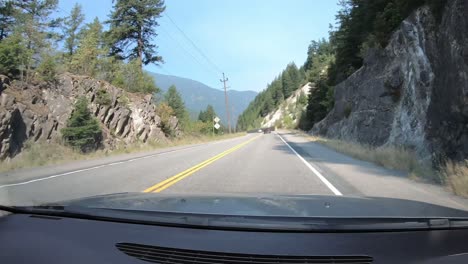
224	80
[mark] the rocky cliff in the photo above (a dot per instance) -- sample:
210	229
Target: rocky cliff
413	93
288	108
39	111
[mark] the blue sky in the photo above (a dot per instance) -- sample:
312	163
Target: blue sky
250	40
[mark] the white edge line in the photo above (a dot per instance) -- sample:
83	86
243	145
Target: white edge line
109	164
316	172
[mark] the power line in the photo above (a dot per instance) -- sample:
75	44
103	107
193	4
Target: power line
193	44
186	51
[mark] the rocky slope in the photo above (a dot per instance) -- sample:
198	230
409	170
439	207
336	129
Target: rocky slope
40	111
287	108
413	93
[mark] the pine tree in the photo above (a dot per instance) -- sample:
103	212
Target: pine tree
202	116
132	28
82	130
165	112
288	84
210	113
174	100
35	23
7	11
293	72
86	59
13	53
72	25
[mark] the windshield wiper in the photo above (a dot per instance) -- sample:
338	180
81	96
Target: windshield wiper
267	223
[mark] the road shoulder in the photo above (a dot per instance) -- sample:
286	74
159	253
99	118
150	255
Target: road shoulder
360	178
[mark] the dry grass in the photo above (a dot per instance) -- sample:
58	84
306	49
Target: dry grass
453	175
42	153
456	175
391	157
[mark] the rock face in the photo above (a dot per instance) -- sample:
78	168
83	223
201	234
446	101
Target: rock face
413	93
288	104
39	112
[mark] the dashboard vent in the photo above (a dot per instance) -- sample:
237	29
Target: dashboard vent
183	256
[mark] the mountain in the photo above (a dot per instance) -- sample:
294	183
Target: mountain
197	96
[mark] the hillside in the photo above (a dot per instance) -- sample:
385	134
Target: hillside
289	112
39	112
197	96
411	93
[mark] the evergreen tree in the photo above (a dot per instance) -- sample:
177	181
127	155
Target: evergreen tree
210	113
202	116
86	59
7	12
34	22
174	100
165	112
13	54
287	83
293	72
277	91
130	77
132	28
72	25
82	130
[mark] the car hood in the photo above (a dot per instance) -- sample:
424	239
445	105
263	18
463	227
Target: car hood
269	205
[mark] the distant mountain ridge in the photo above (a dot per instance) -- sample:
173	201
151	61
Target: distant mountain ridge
197	96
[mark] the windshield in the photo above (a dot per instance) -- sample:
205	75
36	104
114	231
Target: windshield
348	109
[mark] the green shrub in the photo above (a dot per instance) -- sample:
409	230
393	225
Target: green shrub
123	100
288	122
103	97
132	78
13	54
47	69
82	130
165	112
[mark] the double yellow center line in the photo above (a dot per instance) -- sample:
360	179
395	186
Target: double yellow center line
180	176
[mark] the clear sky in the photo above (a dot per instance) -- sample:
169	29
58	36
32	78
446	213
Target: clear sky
250	40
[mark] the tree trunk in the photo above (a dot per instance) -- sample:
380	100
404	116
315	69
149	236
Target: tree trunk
140	48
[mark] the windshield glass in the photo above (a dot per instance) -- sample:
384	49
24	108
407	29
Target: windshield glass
354	108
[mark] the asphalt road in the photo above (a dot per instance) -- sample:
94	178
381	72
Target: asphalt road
276	163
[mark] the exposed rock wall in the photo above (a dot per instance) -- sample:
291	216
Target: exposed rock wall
413	93
39	112
283	110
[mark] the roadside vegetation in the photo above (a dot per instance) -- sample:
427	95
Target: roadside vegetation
360	28
54	153
453	175
36	46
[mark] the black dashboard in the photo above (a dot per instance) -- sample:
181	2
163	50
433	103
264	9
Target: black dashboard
29	238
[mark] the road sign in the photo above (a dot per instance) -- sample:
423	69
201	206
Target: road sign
216	119
217	126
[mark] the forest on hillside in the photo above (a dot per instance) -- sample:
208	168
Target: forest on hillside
360	26
37	46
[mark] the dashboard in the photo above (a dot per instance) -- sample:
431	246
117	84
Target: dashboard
29	238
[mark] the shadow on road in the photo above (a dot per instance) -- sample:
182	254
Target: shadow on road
321	155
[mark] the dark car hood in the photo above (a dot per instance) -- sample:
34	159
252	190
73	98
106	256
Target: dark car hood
269	205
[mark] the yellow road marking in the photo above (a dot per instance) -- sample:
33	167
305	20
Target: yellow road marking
180	176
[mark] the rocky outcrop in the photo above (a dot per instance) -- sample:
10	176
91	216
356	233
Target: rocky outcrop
39	112
413	93
287	108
